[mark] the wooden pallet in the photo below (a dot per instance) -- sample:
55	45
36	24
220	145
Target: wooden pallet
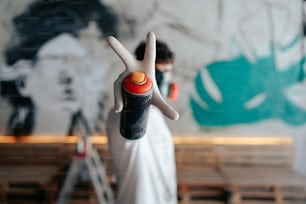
236	166
201	193
268	195
199	180
27	171
265	185
256	155
252	170
28	162
262	173
27	183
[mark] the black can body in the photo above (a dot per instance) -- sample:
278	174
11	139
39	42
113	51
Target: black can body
135	113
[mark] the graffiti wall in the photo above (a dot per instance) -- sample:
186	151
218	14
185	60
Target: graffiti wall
239	65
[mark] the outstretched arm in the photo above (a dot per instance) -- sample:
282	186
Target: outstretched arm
147	66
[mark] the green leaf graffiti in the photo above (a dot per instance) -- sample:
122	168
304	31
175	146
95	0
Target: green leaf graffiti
239	81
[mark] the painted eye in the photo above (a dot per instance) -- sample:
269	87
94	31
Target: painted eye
67	80
64	79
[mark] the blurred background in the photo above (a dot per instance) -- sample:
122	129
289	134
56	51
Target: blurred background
240	65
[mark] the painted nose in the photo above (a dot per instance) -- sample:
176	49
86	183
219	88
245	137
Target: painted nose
66	80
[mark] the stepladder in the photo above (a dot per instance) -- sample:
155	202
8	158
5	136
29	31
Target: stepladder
87	161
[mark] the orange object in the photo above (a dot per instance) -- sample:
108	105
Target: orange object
137	83
138	77
173	91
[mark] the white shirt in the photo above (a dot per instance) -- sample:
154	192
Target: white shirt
145	168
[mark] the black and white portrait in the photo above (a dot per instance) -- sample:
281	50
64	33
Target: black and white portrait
49	79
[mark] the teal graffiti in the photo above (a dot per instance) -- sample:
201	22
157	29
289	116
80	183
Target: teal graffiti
240	80
295	41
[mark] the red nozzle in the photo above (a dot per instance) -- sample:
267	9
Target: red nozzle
137	83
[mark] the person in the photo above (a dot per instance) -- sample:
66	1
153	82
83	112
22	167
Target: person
145	168
163	68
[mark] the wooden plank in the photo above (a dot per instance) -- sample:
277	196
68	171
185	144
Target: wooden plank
191	157
23	154
206	177
26	174
253	155
201	202
252	176
201	194
211	139
3	191
258	202
268	194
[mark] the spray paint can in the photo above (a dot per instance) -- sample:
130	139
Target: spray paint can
137	91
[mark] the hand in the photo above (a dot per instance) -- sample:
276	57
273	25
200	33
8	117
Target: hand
147	66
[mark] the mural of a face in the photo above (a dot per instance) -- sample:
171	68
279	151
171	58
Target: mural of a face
45	98
53	83
51	87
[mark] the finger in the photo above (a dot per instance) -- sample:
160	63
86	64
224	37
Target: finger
165	108
122	52
117	92
150	53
